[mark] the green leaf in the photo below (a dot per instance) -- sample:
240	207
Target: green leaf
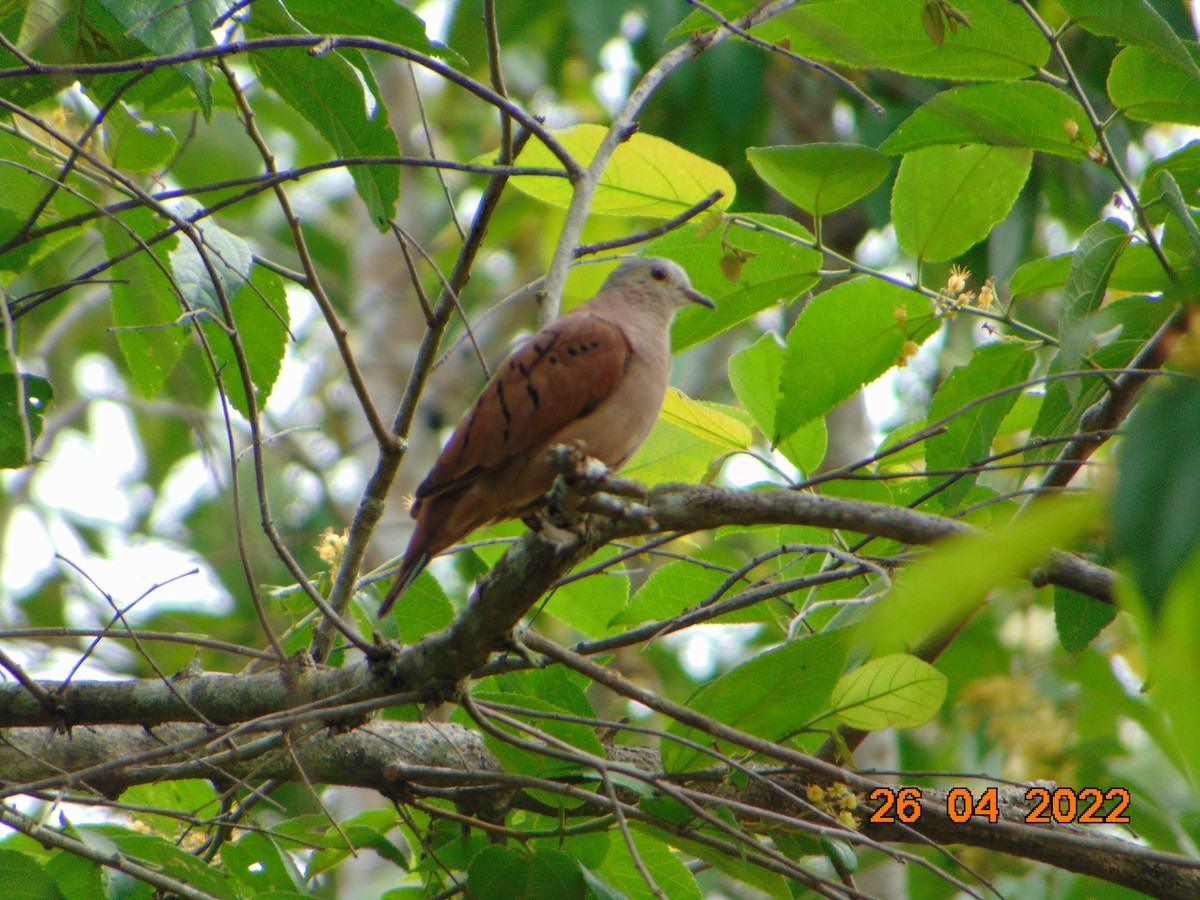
772	695
1155	525
820	178
671	453
257	302
137	145
846	337
261	864
968	436
778	270
1066	399
383	20
1092	265
942	588
947	199
1133	22
893	691
754	376
673	878
501	873
1037	275
261	313
1079	618
1015	114
168	28
162	855
1002	43
588	605
17	433
714	426
23	878
145	307
646	175
334	97
668	591
1184	166
424	609
765	882
530	762
1150	87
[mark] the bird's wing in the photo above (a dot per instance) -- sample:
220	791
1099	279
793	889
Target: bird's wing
555	377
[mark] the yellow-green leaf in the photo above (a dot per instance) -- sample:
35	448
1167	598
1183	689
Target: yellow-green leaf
893	691
646	176
704	421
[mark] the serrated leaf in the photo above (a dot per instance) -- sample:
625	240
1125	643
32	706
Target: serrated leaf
703	421
1066	399
1012	114
1184	166
754	376
20	869
145	307
500	873
1133	22
668	591
1078	618
422	610
772	695
646	175
1038	275
1002	44
335	98
820	178
673	878
947	199
588	605
137	145
968	436
168	28
261	314
846	337
777	271
383	20
1151	87
893	691
671	453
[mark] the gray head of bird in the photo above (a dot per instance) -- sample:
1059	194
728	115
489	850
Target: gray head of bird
656	279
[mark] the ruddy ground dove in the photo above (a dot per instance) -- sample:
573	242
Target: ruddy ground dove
597	375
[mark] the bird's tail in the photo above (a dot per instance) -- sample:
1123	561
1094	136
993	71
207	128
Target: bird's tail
412	566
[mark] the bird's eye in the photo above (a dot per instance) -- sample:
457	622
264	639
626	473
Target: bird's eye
658	273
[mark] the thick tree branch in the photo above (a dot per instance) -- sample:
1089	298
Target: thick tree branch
405	759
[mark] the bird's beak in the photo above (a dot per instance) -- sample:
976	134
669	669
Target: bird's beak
696	297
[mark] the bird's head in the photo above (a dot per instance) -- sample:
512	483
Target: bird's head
657	280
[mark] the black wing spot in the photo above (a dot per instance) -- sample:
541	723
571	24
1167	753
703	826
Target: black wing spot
503	406
462	449
571	351
538	349
533	395
595	343
553	358
523	368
